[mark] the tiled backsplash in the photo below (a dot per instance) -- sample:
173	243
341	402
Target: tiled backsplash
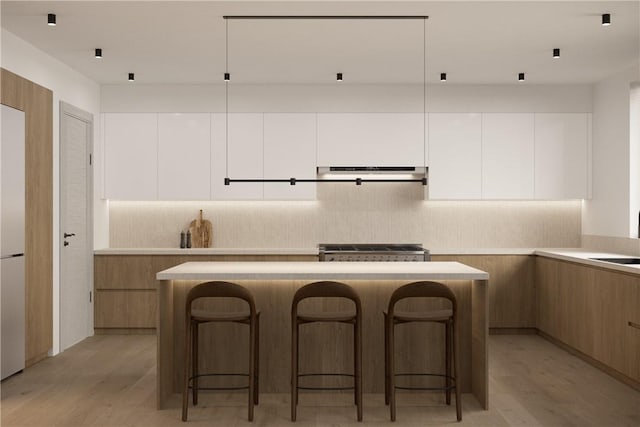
620	245
348	213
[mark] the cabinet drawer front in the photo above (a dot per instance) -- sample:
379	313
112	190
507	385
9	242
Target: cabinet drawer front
125	309
124	272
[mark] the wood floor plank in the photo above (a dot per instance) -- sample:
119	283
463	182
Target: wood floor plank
109	380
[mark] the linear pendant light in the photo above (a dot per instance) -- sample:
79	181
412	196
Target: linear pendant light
339	78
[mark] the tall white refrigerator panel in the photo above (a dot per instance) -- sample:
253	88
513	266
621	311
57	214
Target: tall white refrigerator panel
12	230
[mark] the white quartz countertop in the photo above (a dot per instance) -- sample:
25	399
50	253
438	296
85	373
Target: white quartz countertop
322	271
583	256
207	251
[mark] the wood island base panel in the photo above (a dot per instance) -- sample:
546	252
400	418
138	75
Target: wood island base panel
223	348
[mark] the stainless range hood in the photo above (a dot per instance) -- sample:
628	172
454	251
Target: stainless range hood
374	173
378	170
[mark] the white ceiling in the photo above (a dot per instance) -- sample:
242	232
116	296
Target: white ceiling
473	42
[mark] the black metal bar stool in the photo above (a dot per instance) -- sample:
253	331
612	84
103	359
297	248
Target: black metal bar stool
195	317
327	290
447	317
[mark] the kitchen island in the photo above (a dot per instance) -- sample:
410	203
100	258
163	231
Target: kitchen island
273	285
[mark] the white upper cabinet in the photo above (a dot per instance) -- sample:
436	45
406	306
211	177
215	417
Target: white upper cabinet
507	155
561	156
131	156
289	152
371	139
455	156
184	153
244	159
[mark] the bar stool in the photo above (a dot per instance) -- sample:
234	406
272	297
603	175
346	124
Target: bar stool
195	317
327	290
447	317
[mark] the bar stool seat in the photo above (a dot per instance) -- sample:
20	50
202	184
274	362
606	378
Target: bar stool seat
447	317
327	289
232	316
196	316
336	316
422	316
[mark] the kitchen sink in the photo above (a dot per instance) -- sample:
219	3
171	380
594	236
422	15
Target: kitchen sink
619	260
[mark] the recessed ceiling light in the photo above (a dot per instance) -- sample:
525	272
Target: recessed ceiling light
98	53
606	19
339	77
520	77
556	53
132	77
443	77
51	19
227	77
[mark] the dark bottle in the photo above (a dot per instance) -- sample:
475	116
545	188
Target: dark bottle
183	240
188	239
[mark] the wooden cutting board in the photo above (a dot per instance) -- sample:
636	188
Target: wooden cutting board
201	232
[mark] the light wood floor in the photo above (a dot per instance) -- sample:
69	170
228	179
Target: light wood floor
110	380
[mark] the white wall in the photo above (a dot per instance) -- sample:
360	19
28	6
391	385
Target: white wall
347	98
609	211
67	85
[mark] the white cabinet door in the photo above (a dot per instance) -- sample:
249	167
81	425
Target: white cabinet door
455	156
371	139
507	155
184	156
244	159
131	156
561	156
290	152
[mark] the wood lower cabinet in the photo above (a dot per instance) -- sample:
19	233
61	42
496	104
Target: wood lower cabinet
512	291
125	287
591	310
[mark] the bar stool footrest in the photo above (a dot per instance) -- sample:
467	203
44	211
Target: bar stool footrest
218	375
444	388
326	388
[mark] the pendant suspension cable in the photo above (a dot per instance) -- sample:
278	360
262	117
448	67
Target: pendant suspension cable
424	96
357	181
226	101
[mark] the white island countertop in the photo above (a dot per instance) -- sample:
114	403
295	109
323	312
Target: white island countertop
322	271
207	251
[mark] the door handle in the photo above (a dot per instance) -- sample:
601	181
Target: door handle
66	243
69	235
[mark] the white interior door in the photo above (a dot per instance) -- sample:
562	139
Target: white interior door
76	235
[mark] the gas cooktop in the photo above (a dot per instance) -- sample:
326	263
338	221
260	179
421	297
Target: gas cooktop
373	252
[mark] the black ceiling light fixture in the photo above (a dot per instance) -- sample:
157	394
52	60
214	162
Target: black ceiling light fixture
556	53
227	77
339	78
51	19
132	77
443	77
98	53
606	19
520	77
